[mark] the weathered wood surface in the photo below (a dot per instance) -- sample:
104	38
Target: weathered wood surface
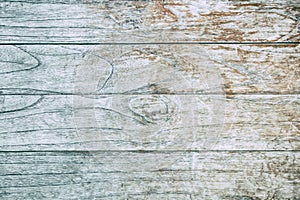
150	175
59	21
145	69
150	122
115	99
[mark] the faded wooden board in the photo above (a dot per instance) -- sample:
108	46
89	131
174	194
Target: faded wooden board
150	69
150	122
150	175
126	113
148	21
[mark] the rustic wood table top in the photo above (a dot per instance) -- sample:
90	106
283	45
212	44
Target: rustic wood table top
150	99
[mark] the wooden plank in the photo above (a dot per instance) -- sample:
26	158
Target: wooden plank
129	114
57	21
150	175
149	122
150	69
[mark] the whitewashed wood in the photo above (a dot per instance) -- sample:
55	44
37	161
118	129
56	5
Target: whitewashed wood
150	122
150	175
168	121
145	69
148	21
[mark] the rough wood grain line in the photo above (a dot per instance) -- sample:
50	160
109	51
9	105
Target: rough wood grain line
149	21
128	175
150	122
150	69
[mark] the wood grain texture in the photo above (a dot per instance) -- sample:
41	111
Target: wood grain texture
150	99
150	122
148	21
150	175
150	69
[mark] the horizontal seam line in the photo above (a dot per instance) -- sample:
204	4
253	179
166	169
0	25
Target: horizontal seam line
146	151
144	43
147	94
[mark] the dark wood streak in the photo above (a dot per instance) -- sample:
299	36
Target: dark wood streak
35	65
20	109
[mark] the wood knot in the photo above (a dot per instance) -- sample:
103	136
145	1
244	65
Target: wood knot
152	109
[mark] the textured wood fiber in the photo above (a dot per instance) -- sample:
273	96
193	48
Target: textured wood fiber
150	175
121	120
150	122
149	21
150	69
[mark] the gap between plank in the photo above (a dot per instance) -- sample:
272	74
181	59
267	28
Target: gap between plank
151	151
152	43
153	94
